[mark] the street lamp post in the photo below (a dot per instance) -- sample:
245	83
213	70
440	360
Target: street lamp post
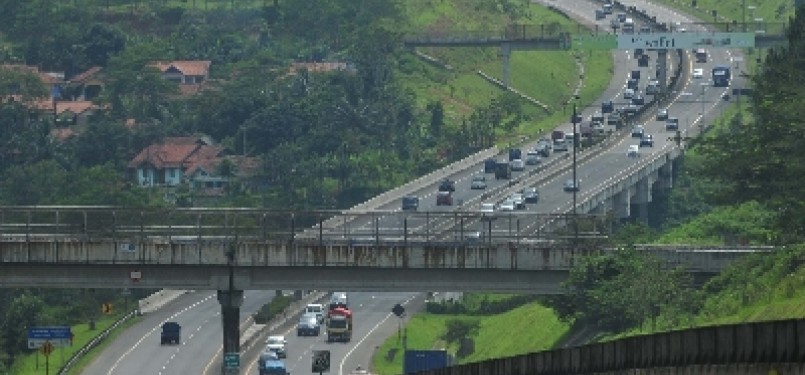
575	180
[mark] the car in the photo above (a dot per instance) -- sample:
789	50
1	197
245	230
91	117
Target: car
672	123
532	158
318	309
507	205
645	29
637	131
598	128
530	195
638	99
519	201
633	151
308	325
698	73
444	198
631	83
571	186
614	120
628	93
543	150
607	106
647	141
662	114
597	117
410	203
621	17
630	109
447	185
276	344
487	208
478	182
518	165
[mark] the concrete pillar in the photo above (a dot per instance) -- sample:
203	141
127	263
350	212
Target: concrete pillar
505	54
230	301
642	197
665	174
621	204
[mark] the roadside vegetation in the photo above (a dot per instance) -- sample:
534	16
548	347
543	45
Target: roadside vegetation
324	139
741	184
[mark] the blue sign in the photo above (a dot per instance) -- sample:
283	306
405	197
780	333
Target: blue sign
49	333
231	360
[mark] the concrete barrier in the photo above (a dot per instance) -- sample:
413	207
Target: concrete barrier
159	299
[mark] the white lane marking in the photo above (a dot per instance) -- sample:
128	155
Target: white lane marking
140	341
346	356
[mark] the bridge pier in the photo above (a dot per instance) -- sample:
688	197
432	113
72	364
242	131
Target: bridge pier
662	70
505	54
643	197
621	204
230	301
665	175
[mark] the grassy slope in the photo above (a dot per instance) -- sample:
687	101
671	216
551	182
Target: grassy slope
525	329
548	76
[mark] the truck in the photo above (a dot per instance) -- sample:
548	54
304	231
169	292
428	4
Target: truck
721	76
489	165
171	333
339	324
515	153
503	170
271	367
424	360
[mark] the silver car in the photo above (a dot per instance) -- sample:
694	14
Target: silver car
478	182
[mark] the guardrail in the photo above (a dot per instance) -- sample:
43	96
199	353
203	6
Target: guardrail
93	343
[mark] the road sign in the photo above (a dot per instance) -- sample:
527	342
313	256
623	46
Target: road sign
107	308
135	276
56	336
321	361
46	348
686	40
398	310
232	360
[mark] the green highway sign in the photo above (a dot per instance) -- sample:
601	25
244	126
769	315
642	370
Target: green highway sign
594	42
232	360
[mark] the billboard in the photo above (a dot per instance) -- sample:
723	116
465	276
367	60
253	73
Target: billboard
686	40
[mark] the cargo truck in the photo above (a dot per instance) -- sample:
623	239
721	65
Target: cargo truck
339	324
503	171
171	333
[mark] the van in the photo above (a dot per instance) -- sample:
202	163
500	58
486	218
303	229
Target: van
316	309
410	203
557	134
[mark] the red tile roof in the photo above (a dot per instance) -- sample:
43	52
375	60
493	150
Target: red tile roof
187	67
86	75
179	152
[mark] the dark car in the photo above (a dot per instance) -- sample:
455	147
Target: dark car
647	141
638	131
447	185
410	202
489	165
308	325
607	107
444	198
632	83
672	123
530	195
638	100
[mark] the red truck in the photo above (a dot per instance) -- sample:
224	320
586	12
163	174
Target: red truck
339	324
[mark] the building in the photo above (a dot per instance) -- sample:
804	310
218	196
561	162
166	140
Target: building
190	75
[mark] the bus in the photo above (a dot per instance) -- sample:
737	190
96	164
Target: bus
721	76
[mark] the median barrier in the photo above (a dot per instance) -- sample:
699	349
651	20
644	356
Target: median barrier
251	333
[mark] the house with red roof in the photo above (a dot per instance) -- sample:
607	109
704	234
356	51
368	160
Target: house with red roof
193	160
189	74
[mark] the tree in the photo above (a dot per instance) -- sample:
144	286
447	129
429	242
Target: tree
23	312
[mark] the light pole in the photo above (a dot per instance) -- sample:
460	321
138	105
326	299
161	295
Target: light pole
575	181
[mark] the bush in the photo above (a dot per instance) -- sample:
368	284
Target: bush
484	307
277	305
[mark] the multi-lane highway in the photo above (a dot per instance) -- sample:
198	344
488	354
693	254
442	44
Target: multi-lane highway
696	102
373	323
138	351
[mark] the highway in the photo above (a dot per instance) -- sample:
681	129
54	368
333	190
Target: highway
373	323
137	351
697	96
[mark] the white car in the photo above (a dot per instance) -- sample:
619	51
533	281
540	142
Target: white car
276	344
507	205
698	73
518	165
487	208
633	151
628	94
